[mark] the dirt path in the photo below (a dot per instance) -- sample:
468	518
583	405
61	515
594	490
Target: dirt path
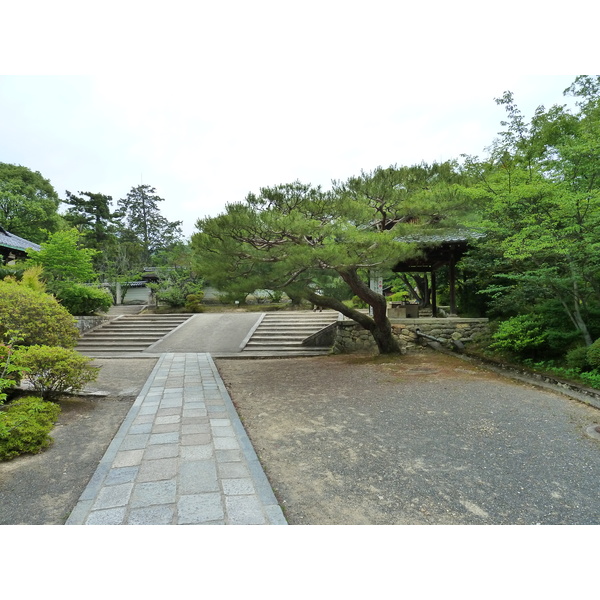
422	439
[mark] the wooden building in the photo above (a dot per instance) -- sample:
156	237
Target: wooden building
13	247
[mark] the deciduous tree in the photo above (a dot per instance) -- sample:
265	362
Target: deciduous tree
28	203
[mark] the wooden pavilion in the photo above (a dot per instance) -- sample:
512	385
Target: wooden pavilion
438	250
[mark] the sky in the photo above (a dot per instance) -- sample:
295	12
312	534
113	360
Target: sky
207	102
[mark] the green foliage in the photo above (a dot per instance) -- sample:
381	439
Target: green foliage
292	236
32	278
398	297
175	285
523	335
193	302
142	214
53	371
28	203
589	378
593	354
10	374
81	299
358	303
539	196
233	297
91	215
25	425
576	358
38	317
63	260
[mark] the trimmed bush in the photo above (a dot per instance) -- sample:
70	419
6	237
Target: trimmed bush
577	358
53	371
25	425
593	354
38	317
83	300
193	302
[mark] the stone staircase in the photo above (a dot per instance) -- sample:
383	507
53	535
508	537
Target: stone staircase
282	334
129	333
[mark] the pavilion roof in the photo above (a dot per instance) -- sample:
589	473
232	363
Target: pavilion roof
11	241
438	248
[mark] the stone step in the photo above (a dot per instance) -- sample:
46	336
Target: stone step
147	340
130	330
129	333
282	334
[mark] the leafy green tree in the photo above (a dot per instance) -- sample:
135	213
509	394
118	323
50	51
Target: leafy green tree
539	192
142	214
290	236
28	203
63	260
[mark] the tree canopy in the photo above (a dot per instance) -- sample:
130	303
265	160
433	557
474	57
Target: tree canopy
289	237
143	218
539	196
28	203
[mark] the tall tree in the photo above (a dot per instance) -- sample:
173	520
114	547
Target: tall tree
28	203
91	214
540	195
142	214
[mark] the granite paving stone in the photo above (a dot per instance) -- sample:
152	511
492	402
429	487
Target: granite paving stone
181	457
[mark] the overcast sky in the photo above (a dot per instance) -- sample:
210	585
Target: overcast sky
209	101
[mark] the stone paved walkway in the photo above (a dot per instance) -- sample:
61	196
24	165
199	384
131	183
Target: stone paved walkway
180	457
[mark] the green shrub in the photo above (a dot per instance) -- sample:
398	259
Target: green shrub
523	335
38	317
358	303
593	354
82	300
10	374
233	297
193	302
53	371
25	425
577	358
175	285
398	297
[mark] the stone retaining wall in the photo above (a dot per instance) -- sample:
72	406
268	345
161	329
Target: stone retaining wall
351	337
86	323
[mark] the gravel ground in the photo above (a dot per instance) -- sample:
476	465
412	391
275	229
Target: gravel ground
420	439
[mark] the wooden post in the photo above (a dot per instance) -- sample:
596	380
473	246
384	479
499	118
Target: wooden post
433	295
452	284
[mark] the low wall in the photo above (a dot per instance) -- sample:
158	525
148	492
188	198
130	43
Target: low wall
351	337
86	323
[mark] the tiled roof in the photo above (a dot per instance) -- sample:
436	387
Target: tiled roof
460	235
14	242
